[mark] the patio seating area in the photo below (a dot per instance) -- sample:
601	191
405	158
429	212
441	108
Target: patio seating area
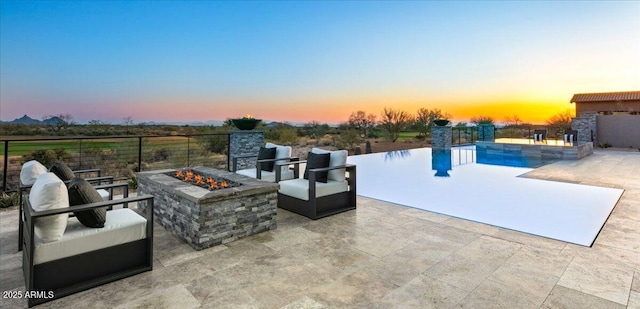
383	255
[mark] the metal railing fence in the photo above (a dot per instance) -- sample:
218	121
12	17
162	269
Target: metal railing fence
118	156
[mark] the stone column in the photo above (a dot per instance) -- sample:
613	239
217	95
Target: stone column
441	137
586	125
486	133
244	143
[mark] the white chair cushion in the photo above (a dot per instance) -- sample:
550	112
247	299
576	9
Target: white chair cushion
104	194
30	172
49	192
266	176
122	226
281	152
299	188
338	157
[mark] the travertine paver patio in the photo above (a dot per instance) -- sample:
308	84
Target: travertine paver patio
387	256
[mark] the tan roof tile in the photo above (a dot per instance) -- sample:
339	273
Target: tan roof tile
606	97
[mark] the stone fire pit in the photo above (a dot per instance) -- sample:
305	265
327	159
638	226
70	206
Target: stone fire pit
205	218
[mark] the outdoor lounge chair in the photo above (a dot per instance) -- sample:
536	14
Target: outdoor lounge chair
32	169
540	135
65	255
570	136
314	198
267	159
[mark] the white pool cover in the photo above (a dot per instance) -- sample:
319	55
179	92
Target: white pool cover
486	193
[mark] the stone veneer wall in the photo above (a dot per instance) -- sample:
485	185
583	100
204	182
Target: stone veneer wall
441	137
587	128
243	143
204	218
486	133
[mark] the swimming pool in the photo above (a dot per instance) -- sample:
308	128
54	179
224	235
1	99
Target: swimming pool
521	152
454	184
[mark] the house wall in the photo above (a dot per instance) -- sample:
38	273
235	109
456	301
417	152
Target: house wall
619	130
627	106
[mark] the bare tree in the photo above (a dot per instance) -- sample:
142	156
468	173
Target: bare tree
362	122
128	122
513	121
393	121
58	122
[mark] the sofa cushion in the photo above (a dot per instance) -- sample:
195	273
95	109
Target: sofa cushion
266	176
62	171
317	160
282	152
49	192
299	188
30	172
122	226
81	192
338	158
264	154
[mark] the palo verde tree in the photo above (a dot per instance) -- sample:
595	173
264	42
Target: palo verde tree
393	121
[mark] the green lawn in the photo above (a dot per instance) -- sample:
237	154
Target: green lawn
407	135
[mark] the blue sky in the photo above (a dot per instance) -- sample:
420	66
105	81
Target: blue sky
312	60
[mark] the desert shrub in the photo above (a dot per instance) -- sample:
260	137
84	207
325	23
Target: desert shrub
8	200
326	140
161	154
348	139
213	143
47	156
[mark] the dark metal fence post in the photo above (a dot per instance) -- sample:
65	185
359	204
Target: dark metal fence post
80	155
229	151
188	150
139	153
6	161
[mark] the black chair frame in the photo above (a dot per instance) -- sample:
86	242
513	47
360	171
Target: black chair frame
87	270
319	207
290	160
24	189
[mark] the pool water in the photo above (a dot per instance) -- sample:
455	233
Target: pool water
454	184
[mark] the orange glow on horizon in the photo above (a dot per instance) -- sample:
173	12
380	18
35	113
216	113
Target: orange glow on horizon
337	110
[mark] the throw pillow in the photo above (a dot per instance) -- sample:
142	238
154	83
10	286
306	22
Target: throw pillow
338	158
49	192
30	172
62	171
264	154
282	152
317	160
81	192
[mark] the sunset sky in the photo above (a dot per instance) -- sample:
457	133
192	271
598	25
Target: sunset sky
310	60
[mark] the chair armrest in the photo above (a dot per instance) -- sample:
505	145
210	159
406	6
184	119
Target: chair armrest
247	156
323	169
87	171
45	213
100	179
292	160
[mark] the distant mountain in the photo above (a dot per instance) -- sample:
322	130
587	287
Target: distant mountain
25	120
52	121
28	120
